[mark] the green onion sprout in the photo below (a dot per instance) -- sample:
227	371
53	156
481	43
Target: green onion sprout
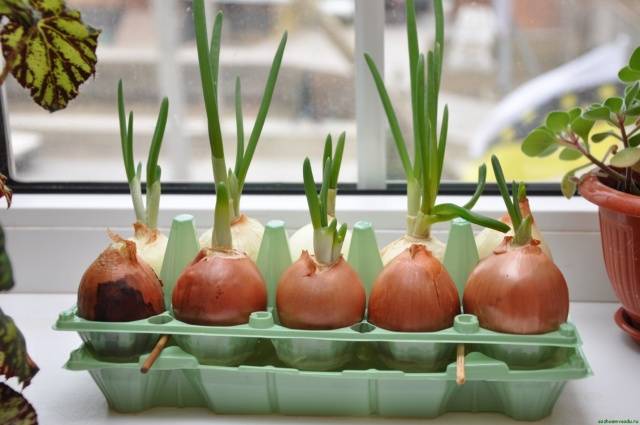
425	172
148	215
208	59
327	237
522	227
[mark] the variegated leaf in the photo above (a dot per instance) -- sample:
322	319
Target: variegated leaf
53	56
14	359
15	409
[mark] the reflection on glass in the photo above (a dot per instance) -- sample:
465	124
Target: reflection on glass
507	63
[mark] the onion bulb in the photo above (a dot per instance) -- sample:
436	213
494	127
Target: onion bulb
414	293
312	295
119	286
151	245
395	248
517	289
302	240
219	288
246	235
488	239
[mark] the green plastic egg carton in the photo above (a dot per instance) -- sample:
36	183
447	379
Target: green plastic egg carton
262	367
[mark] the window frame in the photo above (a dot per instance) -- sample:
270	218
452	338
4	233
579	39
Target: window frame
371	129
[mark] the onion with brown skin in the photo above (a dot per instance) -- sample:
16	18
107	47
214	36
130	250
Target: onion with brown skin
414	293
320	291
119	286
122	283
221	286
314	296
518	289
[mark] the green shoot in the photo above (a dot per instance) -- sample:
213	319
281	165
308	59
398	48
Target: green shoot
208	61
148	215
521	227
327	237
430	140
222	219
333	171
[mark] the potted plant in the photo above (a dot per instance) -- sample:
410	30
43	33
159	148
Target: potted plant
613	183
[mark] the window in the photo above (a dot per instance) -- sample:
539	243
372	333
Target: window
498	55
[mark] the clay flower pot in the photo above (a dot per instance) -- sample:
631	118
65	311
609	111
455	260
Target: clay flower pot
620	231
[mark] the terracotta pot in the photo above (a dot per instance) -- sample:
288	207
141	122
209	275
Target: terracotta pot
620	232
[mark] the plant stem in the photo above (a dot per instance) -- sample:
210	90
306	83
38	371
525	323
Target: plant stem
222	219
209	92
625	143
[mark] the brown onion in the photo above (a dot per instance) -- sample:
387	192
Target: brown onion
119	286
315	296
220	288
414	293
517	290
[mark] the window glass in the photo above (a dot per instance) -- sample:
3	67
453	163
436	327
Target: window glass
507	64
150	45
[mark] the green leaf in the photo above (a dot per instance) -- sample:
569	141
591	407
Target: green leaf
557	121
634	110
14	360
6	271
614	104
549	151
634	61
626	157
634	140
597	112
582	127
537	142
14	408
568	154
394	124
630	94
628	75
568	185
456	211
599	137
52	54
574	113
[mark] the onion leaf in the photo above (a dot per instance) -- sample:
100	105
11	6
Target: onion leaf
262	112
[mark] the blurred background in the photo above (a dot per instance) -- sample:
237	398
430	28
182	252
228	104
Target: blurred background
507	63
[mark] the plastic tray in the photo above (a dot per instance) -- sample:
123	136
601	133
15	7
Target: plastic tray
178	380
519	375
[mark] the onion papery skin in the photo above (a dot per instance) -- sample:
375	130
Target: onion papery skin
488	239
414	293
302	240
119	287
395	248
315	296
219	288
246	236
151	246
517	290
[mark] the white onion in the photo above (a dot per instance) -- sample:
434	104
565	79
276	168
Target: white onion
398	246
488	239
246	236
150	245
302	240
